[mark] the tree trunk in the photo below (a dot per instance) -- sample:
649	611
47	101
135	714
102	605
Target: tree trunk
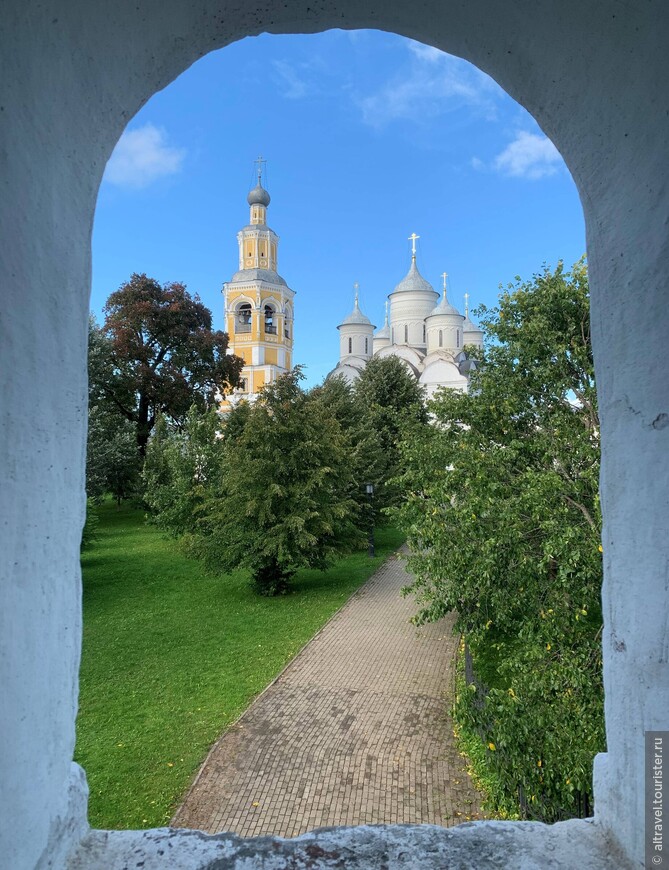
271	579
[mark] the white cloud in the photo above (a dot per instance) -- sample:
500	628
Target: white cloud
291	81
430	84
425	52
530	155
141	157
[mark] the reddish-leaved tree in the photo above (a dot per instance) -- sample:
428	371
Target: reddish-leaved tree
157	353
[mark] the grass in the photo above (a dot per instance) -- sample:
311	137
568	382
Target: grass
171	656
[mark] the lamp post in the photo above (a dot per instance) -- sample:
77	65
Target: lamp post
369	489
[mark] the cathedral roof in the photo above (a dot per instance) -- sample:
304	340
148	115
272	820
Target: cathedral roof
258	196
444	307
266	275
470	326
413	281
356	316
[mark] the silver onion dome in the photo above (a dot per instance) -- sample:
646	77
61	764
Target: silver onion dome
258	196
413	281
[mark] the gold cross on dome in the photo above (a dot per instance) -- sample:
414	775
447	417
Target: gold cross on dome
466	304
260	160
444	276
412	239
356	287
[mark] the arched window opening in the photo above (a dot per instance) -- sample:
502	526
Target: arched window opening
243	319
457	338
270	325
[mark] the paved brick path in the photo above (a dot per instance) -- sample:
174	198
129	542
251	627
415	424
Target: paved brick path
355	731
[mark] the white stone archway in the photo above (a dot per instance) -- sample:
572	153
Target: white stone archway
72	74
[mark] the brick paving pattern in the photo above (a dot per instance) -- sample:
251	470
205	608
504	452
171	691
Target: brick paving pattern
355	731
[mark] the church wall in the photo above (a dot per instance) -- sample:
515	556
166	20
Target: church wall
408	311
361	344
452	338
439	373
473	338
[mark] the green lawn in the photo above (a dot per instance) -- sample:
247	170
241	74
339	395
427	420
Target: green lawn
171	656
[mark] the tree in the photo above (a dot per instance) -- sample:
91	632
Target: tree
392	400
366	457
182	468
113	463
284	500
157	354
502	517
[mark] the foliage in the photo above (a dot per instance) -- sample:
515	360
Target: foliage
172	656
391	400
284	500
181	468
113	462
157	354
366	458
502	516
486	778
270	488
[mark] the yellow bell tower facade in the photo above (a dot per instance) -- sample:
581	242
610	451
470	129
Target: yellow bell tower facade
258	304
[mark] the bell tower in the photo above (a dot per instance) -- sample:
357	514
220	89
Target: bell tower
258	303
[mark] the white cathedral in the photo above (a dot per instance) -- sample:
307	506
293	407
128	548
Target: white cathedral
428	335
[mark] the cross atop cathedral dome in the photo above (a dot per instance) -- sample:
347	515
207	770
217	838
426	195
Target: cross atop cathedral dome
259	196
469	325
356	316
444	306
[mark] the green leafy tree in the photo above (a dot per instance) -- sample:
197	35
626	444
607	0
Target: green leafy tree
157	354
502	516
392	400
284	500
182	467
367	460
113	463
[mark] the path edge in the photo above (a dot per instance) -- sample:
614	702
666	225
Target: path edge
400	553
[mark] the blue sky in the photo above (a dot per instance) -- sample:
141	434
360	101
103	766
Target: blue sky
368	137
